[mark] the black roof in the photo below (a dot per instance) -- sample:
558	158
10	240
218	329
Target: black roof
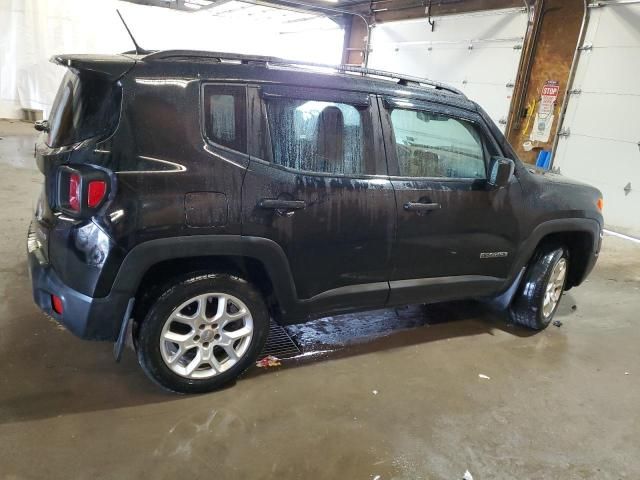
228	66
275	61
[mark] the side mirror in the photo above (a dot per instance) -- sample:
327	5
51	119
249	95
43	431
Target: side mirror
500	171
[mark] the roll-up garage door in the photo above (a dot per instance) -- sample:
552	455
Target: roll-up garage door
476	52
600	136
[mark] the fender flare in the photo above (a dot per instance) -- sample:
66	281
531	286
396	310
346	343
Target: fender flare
143	256
560	225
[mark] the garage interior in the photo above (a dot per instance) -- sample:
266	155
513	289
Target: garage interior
434	391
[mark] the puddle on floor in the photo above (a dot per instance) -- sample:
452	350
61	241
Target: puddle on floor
374	330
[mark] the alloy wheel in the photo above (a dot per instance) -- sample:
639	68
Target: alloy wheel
206	335
555	285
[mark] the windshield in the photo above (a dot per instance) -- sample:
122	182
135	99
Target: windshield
86	105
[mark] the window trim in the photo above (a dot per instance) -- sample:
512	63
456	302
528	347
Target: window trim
203	124
321	95
389	103
308	173
354	98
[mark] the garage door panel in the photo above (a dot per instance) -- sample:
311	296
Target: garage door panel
505	23
612	69
584	64
449	63
482	71
615	205
488	96
483	64
438	64
489	64
614	26
608	165
600	161
572	108
602	148
605	115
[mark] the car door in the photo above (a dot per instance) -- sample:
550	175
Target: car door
317	186
456	235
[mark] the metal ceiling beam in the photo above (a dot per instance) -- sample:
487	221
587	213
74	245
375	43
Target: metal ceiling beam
179	4
283	6
312	6
173	4
214	4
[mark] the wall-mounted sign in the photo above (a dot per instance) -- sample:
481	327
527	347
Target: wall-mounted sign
541	130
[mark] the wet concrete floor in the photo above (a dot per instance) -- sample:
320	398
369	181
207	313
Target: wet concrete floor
392	394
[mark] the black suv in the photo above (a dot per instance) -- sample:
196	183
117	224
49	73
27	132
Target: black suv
195	197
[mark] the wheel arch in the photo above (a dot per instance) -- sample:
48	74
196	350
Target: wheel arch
258	260
579	244
581	236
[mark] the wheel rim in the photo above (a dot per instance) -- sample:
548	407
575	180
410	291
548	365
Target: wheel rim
206	335
553	290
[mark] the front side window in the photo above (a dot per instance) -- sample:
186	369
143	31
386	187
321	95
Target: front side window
319	136
225	117
434	145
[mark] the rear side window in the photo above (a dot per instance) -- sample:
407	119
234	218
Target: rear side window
434	145
319	136
87	105
225	116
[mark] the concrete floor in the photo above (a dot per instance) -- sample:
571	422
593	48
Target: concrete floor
395	395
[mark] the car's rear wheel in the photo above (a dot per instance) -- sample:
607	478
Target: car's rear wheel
202	332
541	288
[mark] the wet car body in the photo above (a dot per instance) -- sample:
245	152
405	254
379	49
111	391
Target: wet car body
177	202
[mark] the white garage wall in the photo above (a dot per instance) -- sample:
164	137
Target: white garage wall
478	53
603	145
31	31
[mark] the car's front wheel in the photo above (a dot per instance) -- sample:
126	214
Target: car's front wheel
541	288
202	332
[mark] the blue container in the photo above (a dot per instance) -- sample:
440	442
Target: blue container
544	159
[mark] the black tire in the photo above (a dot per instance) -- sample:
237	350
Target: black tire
527	305
150	330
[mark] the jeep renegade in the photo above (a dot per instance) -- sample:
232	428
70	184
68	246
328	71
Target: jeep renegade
191	198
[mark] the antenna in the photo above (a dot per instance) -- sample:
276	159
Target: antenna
139	49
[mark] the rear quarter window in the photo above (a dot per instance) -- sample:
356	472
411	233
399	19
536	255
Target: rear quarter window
225	116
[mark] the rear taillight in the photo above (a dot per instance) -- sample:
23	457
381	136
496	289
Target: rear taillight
74	192
96	192
82	189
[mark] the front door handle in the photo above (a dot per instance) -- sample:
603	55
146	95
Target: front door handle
421	207
276	204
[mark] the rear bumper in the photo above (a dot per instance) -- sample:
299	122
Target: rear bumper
87	317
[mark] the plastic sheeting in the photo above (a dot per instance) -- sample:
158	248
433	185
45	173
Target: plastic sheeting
31	31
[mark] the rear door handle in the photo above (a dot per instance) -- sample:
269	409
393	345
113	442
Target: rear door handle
421	207
275	204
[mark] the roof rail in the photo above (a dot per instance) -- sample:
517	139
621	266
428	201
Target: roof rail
259	59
